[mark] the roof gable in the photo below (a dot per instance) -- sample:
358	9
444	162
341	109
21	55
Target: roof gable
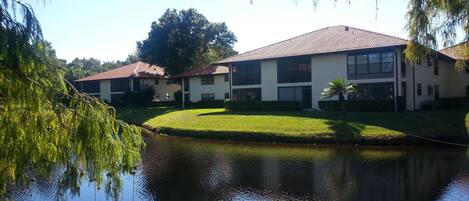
210	70
326	40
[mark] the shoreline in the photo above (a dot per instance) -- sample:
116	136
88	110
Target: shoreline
408	140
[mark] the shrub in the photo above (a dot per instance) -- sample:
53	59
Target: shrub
427	105
452	103
263	105
143	98
359	105
206	104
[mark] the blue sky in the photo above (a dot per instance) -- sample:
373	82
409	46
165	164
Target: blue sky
108	30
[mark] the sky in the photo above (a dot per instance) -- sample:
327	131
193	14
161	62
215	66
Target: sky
109	29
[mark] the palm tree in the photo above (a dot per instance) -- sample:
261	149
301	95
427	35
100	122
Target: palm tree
339	87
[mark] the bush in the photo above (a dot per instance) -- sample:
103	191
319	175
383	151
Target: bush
427	105
263	105
205	104
143	98
363	105
452	103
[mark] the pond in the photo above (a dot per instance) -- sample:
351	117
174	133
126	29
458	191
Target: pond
190	169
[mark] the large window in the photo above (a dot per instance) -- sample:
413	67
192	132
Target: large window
430	90
296	69
301	94
372	64
91	86
374	91
246	73
137	85
120	85
207	80
207	96
186	84
252	94
419	89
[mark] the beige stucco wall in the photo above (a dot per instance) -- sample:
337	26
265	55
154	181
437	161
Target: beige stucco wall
457	82
219	88
269	80
325	68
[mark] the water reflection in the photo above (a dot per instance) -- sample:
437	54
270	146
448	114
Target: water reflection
185	169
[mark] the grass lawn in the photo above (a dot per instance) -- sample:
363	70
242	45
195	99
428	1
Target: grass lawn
351	127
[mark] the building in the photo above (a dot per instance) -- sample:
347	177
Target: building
112	84
204	84
298	69
459	82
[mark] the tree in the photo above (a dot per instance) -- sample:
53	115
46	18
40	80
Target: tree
45	122
339	87
184	40
430	20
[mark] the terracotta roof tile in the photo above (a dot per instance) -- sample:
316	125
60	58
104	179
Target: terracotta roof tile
137	69
453	51
326	40
210	70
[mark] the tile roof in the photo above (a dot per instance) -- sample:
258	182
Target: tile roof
210	70
326	40
137	69
452	51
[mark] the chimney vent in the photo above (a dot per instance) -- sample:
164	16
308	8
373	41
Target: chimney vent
346	28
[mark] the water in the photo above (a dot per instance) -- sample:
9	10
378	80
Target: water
189	169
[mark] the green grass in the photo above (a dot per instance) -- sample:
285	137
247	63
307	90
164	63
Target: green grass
302	126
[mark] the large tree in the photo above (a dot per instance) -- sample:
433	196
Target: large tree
433	23
185	39
45	122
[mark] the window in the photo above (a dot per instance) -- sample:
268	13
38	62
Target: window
301	94
387	60
246	73
157	81
120	85
437	92
91	87
372	63
252	94
187	97
430	90
186	84
207	80
227	77
208	97
436	69
419	61
467	91
295	69
429	60
403	89
136	84
362	64
419	89
403	70
374	91
227	95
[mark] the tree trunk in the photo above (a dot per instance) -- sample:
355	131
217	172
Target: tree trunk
342	102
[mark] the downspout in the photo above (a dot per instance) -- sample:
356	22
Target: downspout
396	85
413	84
182	93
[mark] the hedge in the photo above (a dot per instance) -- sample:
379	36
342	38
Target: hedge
452	103
205	104
363	105
263	105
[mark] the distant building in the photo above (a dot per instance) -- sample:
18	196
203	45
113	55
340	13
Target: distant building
112	84
208	83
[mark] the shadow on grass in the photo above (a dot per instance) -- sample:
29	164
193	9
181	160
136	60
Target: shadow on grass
447	125
139	115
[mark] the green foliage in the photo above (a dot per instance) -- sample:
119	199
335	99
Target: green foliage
340	88
184	40
263	105
139	99
45	122
430	20
358	105
206	104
